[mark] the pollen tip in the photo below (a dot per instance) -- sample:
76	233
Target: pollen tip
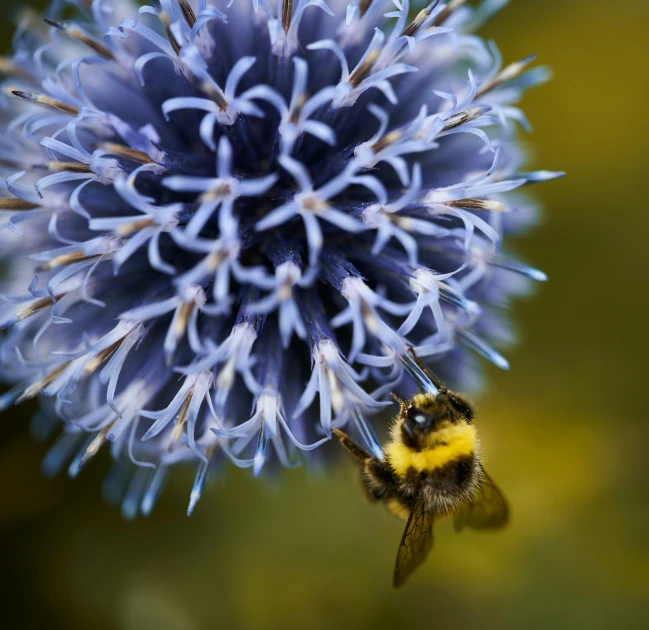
54	23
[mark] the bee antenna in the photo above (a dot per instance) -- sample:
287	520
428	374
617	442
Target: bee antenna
396	399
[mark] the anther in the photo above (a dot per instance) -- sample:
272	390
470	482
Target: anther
95	445
506	74
188	13
166	23
464	117
65	259
410	30
31	309
287	14
386	140
13	203
477	204
41	99
446	12
364	69
181	420
74	167
297	108
126	152
37	387
216	94
9	68
74	33
101	357
36	306
127	229
363	6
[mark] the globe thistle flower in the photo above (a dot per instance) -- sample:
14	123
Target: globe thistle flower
226	225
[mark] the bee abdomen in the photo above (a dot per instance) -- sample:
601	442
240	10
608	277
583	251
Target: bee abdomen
449	486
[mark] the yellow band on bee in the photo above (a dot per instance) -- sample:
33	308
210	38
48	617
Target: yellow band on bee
460	441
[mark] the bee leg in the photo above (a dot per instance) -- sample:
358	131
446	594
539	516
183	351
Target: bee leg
462	406
378	479
357	451
373	491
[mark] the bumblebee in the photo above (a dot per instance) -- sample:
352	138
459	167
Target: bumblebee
431	470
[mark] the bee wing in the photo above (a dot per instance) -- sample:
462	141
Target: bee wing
488	509
416	542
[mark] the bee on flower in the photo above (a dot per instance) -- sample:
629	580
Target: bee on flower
225	224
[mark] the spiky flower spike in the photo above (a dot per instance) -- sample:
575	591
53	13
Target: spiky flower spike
224	220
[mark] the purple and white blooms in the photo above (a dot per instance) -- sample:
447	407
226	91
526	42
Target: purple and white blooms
225	224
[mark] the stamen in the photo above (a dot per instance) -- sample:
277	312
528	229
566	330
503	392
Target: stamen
9	68
188	13
47	101
219	192
127	152
101	357
364	69
313	204
287	14
506	74
66	259
369	317
166	23
216	94
37	306
297	108
179	427
477	204
134	226
74	167
446	12
213	261
37	387
386	140
12	164
184	311
13	203
463	117
95	445
76	34
337	398
30	309
363	6
410	30
227	373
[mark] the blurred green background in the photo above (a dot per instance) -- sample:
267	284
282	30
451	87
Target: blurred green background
565	430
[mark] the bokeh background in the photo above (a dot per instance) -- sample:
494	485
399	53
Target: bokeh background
566	430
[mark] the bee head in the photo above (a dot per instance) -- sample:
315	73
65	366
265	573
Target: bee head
423	416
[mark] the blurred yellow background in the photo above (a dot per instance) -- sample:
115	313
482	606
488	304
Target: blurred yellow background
566	431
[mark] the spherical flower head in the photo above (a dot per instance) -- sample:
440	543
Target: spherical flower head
229	226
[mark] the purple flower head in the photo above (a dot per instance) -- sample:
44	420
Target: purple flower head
225	225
